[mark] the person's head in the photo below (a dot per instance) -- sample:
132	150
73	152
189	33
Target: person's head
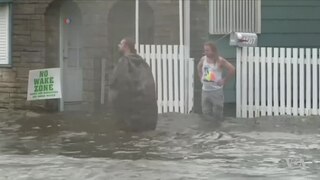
211	50
127	45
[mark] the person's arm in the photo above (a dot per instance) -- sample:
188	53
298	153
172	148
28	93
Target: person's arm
200	64
230	69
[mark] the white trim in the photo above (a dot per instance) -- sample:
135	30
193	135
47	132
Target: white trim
137	23
181	21
61	101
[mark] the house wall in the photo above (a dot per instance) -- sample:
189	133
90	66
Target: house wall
33	48
285	23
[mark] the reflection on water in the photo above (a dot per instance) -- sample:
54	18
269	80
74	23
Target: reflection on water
180	148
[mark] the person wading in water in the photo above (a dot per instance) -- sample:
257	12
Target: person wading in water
210	69
133	92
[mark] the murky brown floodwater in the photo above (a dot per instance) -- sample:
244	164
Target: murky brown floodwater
182	147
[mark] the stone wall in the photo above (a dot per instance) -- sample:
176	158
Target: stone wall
28	52
35	44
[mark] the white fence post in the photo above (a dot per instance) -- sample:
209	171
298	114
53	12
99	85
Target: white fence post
289	89
238	82
250	84
301	81
275	81
159	77
269	83
295	81
315	81
257	81
181	68
308	82
244	82
282	82
263	82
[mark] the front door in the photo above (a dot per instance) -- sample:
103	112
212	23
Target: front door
70	48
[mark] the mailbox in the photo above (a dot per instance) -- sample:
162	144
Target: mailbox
243	39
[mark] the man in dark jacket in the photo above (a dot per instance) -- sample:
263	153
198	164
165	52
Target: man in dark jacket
133	93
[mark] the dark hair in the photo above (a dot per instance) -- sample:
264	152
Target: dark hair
129	42
213	48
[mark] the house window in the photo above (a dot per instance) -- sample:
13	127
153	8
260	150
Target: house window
234	16
5	33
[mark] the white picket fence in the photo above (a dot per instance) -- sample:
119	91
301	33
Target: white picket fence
277	81
173	74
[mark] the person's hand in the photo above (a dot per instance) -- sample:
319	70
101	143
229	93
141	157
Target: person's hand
221	82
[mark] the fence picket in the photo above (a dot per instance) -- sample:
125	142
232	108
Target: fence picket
153	62
257	81
141	52
181	60
286	81
244	82
170	80
288	66
147	54
165	78
275	81
250	83
282	82
263	81
295	81
269	83
170	70
238	82
176	78
160	80
315	81
191	82
308	82
301	81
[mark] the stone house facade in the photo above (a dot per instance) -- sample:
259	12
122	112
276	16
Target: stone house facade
39	40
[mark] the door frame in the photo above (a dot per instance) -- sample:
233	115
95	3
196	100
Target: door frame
61	58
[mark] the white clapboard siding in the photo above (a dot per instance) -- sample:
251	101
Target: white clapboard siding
277	81
4	34
168	63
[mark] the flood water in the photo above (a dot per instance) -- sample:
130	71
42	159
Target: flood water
183	147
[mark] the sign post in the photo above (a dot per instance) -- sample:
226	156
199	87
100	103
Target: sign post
44	84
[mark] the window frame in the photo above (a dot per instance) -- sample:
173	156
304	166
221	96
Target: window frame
10	32
211	19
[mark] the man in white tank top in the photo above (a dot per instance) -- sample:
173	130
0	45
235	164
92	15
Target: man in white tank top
210	70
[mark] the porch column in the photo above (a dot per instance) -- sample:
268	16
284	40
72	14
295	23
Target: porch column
137	25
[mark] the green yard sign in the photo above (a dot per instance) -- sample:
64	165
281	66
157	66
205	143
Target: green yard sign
44	84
